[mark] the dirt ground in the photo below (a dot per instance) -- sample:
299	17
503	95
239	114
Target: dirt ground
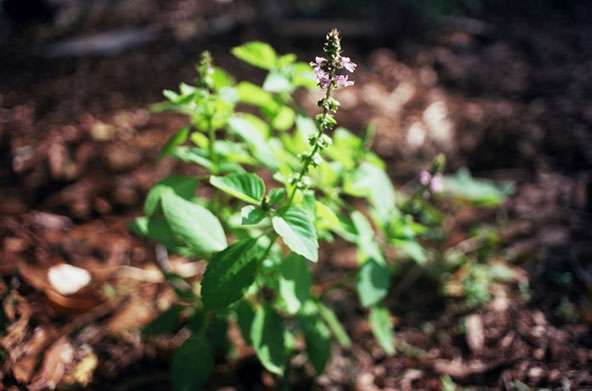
510	98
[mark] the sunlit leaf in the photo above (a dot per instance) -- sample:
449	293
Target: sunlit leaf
256	53
183	186
382	328
276	82
244	186
196	225
247	128
373	282
283	119
480	191
295	282
177	139
334	325
252	94
298	232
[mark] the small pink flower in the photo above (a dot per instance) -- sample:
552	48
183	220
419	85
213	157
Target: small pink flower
436	185
317	63
348	64
425	178
322	78
343	81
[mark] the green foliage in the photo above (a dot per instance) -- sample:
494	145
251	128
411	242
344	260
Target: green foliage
380	322
244	186
229	274
318	338
295	282
194	224
373	282
192	364
479	191
297	231
260	237
258	54
267	335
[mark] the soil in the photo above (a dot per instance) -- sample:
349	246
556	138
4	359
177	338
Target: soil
508	97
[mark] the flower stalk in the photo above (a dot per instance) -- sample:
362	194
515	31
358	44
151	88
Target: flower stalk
327	76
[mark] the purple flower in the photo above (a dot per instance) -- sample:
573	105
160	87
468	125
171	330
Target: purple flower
434	183
322	77
318	62
348	64
437	186
425	178
343	81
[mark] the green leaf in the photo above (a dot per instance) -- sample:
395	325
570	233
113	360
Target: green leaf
326	218
177	139
193	223
480	191
157	229
254	132
277	83
192	365
193	155
365	238
295	282
382	328
252	215
252	94
283	119
245	316
165	323
318	341
373	282
267	335
334	325
303	75
258	54
229	274
244	186
286	60
298	232
346	148
373	181
412	249
276	196
183	186
221	79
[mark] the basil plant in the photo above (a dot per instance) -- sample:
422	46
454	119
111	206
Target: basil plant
277	184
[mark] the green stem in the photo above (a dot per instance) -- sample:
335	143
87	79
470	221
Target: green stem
315	148
268	249
212	144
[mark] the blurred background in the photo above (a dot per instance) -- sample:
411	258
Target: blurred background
503	88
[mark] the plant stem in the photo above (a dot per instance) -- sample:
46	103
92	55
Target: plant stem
268	249
315	148
212	144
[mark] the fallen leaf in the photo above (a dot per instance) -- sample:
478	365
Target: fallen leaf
53	368
475	334
29	355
